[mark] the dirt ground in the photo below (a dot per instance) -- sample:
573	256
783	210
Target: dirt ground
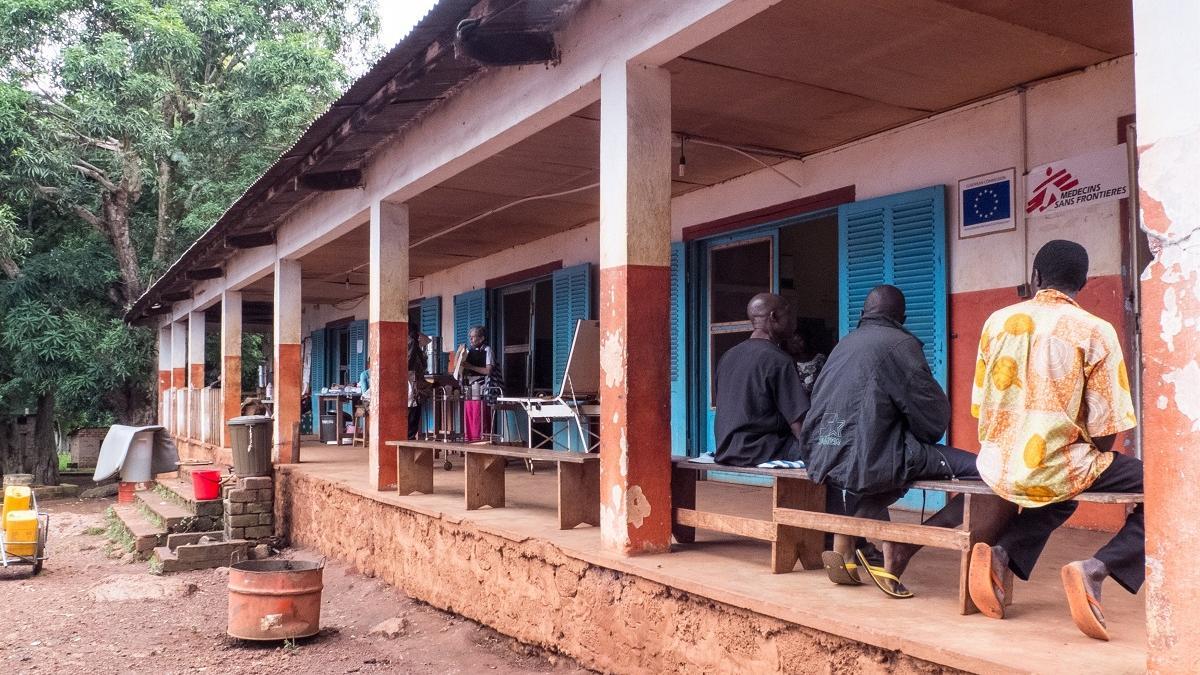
88	612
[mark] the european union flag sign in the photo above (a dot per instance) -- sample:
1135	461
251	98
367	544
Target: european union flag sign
986	203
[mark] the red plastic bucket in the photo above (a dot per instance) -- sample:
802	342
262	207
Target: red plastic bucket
206	484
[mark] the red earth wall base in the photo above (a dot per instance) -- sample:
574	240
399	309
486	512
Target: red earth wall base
537	593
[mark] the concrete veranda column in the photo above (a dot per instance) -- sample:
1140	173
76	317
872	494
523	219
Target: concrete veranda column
179	345
195	352
1168	137
231	360
164	360
635	243
387	339
288	382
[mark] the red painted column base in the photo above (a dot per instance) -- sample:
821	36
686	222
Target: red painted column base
635	411
388	416
287	400
231	394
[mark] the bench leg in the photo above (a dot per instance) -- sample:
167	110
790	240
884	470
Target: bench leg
984	516
793	543
485	481
578	494
414	470
683	496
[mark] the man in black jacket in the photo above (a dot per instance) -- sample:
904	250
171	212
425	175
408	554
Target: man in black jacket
875	426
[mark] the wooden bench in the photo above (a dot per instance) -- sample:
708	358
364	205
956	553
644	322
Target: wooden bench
792	490
578	476
804	524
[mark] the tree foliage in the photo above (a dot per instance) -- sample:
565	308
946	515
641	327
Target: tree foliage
126	128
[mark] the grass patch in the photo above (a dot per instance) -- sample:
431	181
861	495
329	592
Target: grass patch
64	461
95	531
151	515
118	534
156	566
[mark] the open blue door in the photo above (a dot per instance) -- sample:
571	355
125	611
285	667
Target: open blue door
899	239
678	364
572	292
470	309
316	375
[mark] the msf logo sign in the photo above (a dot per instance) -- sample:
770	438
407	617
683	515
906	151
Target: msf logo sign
1047	194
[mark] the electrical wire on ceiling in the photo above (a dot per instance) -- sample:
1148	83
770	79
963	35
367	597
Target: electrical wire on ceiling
743	153
498	209
563	193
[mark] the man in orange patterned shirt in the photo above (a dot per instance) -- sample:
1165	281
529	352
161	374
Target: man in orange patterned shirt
1051	393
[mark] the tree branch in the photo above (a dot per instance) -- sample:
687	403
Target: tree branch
95	174
90	218
9	267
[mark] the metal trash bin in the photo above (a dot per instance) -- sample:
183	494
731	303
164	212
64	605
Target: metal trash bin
250	437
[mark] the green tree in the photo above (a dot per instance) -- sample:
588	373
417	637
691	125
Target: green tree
126	128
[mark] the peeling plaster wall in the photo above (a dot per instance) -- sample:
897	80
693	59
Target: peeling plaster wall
536	593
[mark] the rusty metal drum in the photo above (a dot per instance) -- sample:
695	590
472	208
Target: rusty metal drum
275	599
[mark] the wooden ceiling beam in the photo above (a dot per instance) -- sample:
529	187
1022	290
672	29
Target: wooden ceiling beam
205	273
253	240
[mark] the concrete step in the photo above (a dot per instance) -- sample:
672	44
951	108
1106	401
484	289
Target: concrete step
180	491
132	525
198	556
174	541
167	512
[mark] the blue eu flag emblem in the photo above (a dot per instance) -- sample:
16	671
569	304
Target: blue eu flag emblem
989	203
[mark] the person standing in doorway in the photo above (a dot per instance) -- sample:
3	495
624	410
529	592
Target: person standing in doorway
1051	392
418	385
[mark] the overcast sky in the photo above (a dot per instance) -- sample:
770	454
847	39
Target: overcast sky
397	17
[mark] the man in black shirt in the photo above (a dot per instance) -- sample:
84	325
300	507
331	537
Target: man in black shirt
761	401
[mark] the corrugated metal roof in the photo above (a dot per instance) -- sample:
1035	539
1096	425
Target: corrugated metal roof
421	71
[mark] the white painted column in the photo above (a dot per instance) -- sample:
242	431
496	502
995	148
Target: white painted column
231	360
635	244
387	339
288	383
164	372
195	354
179	345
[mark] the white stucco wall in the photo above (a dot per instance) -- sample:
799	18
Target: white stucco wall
1065	117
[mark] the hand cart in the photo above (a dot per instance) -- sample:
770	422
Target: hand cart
38	555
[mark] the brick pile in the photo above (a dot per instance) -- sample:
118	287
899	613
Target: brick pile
250	508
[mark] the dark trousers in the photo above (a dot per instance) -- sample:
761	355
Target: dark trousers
414	421
1124	555
945	463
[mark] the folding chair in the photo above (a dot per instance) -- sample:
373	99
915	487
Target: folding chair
580	387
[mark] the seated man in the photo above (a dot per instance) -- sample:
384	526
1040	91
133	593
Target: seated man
760	399
876	421
1051	393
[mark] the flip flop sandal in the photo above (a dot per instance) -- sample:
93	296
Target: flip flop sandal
1085	609
885	580
840	571
983	584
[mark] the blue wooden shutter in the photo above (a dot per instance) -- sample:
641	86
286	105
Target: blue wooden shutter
358	350
901	240
572	302
470	309
678	363
431	316
316	375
